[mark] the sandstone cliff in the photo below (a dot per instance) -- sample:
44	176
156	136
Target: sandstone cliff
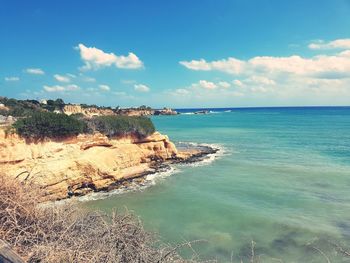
89	112
70	109
83	163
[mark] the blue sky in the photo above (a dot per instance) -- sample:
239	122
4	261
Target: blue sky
177	53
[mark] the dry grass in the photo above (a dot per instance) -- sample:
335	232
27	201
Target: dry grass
66	233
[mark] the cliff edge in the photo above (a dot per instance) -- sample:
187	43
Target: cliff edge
83	163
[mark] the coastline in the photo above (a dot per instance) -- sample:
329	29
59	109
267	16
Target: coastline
150	177
86	164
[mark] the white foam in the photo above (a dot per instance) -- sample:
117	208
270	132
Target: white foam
154	178
149	180
208	159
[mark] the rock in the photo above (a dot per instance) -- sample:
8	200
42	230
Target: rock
93	141
93	111
165	111
81	164
136	112
3	107
89	111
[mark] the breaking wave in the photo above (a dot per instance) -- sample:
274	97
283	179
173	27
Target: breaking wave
207	159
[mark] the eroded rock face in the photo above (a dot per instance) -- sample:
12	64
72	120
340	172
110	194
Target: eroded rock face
89	112
83	163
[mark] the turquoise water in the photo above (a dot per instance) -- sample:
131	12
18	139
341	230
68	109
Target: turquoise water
282	180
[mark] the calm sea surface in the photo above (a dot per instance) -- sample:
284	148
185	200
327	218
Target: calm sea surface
281	179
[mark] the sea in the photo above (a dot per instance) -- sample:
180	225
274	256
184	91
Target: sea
278	189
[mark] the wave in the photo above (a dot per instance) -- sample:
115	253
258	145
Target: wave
207	159
200	112
133	186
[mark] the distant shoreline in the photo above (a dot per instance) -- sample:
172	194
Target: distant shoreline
262	107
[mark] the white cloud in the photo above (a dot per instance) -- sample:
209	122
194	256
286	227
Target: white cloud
260	80
204	84
141	88
322	79
128	81
88	79
72	87
224	84
8	79
320	66
59	88
181	92
71	75
259	89
229	65
35	71
61	78
237	83
196	64
120	93
54	88
335	44
95	58
104	87
209	85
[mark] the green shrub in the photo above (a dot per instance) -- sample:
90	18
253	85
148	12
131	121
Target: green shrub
19	108
46	124
121	125
53	105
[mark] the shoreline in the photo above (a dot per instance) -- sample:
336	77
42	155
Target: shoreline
141	180
86	164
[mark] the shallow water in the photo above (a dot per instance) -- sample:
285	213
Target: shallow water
281	179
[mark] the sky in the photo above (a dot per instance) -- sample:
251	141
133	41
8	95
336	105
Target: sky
180	54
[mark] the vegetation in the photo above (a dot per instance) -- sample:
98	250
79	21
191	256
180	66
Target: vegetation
56	125
54	105
47	124
144	107
38	120
84	106
65	233
121	125
19	108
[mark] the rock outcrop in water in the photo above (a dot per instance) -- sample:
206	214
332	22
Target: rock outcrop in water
84	163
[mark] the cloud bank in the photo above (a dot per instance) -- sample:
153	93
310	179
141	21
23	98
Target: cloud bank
336	44
322	76
59	88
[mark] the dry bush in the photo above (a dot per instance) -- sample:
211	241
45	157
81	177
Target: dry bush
65	233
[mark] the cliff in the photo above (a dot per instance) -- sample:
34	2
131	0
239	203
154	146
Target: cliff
83	163
89	111
70	109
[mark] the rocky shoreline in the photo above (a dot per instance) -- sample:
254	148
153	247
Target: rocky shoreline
85	164
195	156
